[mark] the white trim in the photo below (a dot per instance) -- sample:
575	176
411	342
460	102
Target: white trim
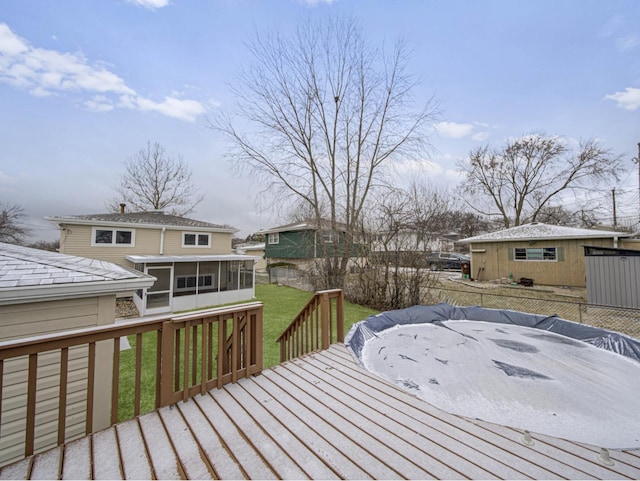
114	231
148	259
196	245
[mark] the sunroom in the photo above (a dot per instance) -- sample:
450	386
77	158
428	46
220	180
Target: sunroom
193	282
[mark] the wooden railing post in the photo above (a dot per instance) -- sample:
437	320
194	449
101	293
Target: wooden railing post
324	320
166	368
340	316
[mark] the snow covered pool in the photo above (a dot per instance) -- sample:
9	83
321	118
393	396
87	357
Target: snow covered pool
510	368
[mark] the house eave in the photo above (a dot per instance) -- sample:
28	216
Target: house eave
61	221
37	293
541	239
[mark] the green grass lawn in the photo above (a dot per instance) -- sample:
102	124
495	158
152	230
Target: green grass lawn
281	305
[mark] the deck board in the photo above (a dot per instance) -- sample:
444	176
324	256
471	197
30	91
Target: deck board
319	417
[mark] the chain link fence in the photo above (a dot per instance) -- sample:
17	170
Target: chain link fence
625	320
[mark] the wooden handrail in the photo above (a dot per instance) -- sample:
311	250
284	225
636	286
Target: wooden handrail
319	322
188	359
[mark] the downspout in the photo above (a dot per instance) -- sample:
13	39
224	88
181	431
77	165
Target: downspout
162	240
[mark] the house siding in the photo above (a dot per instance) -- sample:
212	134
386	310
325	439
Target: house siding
569	270
76	240
36	318
292	245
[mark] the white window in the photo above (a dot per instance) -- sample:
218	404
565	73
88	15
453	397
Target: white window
535	254
196	239
274	238
327	236
104	237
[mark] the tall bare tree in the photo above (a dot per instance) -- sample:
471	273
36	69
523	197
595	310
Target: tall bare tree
318	116
12	229
153	180
525	176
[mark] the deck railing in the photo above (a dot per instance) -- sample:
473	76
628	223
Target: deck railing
318	324
189	355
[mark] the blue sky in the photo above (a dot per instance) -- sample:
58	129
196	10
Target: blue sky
85	84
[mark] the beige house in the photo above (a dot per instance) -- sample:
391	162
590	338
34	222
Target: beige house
254	249
548	254
44	292
112	237
191	259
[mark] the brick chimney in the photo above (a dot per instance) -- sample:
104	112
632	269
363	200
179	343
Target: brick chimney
123	206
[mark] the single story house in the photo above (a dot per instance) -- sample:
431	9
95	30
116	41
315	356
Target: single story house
548	254
192	259
43	292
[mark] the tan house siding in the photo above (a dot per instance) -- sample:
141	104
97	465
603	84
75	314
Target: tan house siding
220	244
77	239
568	270
36	318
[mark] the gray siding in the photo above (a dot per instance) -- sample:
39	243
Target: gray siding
613	280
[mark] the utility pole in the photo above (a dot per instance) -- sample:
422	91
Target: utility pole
615	219
637	161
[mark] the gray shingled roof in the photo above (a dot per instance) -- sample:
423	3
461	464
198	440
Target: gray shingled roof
26	267
146	218
538	231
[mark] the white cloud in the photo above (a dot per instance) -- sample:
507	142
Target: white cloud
628	100
616	29
150	4
99	103
454	130
628	42
480	136
6	179
180	109
47	72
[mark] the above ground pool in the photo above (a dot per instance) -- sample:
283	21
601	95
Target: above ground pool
537	373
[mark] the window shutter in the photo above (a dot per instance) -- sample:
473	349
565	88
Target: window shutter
560	254
511	249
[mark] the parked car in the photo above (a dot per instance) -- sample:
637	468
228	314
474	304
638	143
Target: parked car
438	261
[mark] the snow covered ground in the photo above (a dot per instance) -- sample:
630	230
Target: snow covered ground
515	376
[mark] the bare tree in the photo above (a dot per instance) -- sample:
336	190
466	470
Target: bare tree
402	228
530	172
322	114
155	181
12	230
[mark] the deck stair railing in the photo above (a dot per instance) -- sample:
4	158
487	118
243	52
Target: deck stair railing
319	323
66	400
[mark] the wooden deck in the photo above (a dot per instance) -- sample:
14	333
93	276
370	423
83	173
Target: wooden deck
317	417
